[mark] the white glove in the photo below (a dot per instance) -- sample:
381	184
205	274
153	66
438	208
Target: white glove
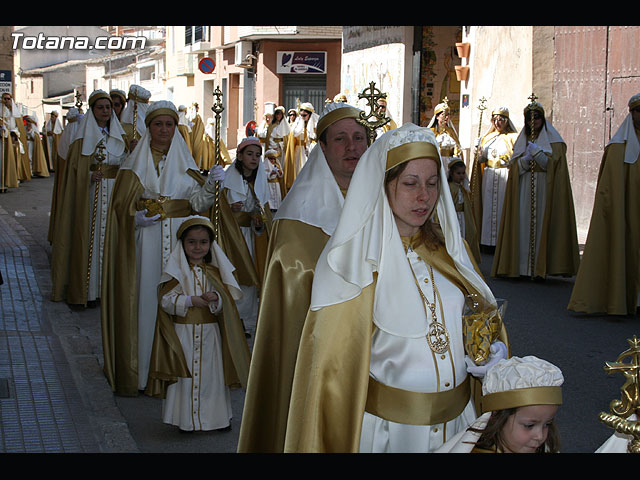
143	221
497	352
532	148
216	174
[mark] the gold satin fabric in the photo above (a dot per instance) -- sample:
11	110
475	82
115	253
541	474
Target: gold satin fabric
40	167
331	380
24	165
72	229
10	165
289	173
52	156
197	141
608	280
471	230
167	358
522	397
558	252
184	131
119	297
415	408
286	294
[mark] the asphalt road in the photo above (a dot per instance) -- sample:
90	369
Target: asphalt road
537	320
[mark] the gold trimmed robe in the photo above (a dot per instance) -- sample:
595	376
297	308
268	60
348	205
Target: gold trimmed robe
286	294
558	252
608	279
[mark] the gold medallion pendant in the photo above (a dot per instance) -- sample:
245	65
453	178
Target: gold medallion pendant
438	338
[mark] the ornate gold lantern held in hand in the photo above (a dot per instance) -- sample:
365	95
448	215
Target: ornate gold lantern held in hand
629	404
481	326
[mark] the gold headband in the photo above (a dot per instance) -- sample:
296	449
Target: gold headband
335	115
160	111
503	112
411	151
201	221
522	397
94	97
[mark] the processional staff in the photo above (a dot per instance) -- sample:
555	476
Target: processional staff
532	165
217	110
475	188
99	156
372	99
78	101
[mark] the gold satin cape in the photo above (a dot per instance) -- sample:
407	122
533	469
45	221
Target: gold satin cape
10	165
608	280
291	259
197	141
186	134
72	229
39	161
24	165
471	230
332	371
168	362
119	307
558	252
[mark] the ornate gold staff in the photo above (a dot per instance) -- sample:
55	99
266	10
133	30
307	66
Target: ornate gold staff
217	110
136	135
532	165
475	188
78	101
620	410
99	156
372	98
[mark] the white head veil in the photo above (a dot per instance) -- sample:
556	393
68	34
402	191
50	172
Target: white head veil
366	240
178	266
627	134
178	158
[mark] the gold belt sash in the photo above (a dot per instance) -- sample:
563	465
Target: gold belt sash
273	180
108	171
168	208
414	408
496	164
196	315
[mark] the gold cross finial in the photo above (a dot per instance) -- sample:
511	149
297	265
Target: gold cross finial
482	105
533	97
630	401
372	99
217	105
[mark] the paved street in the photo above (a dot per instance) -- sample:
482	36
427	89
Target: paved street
54	397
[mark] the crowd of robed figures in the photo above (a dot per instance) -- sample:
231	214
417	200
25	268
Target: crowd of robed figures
357	277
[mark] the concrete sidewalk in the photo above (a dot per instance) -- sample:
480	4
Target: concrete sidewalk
54	397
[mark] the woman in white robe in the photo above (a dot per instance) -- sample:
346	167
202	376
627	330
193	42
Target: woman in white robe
158	186
367	347
84	191
492	170
202	400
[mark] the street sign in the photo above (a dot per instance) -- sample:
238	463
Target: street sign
207	65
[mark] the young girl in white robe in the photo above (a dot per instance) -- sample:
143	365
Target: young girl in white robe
205	340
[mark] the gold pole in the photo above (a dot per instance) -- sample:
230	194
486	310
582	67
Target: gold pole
135	119
475	188
99	157
372	99
217	110
532	165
